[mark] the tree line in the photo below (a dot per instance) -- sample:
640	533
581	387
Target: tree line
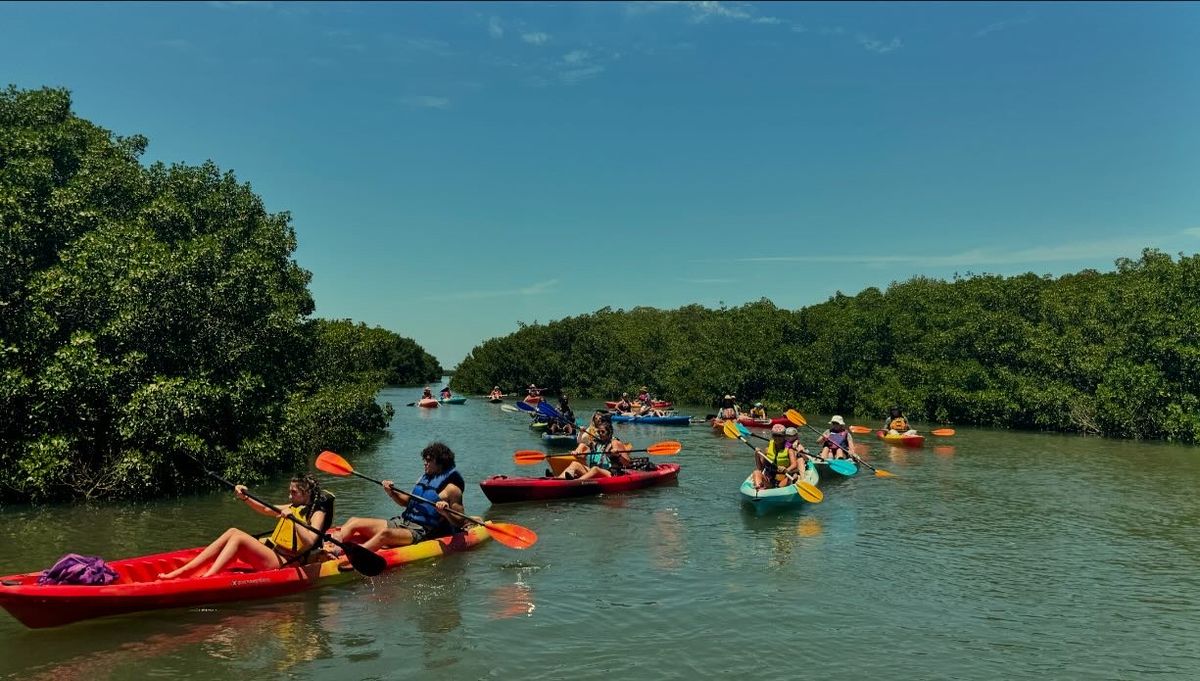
149	313
1114	353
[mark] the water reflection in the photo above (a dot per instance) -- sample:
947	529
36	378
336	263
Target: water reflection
516	599
944	450
667	546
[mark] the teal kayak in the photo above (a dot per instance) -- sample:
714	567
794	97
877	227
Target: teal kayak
777	497
453	400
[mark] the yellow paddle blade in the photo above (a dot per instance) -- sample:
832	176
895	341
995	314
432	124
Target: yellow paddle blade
334	464
731	430
859	429
796	417
664	448
943	432
809	492
880	473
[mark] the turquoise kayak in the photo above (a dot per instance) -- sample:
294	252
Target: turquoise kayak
653	420
777	497
453	400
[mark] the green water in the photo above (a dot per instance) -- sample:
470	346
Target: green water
992	555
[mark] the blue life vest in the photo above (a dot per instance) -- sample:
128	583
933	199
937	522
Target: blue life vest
425	515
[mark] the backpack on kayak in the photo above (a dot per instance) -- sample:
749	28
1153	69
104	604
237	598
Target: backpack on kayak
76	569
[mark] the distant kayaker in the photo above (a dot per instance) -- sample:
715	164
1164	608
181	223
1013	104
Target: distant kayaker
426	394
624	406
643	396
446	393
496	393
533	391
836	441
729	409
288	544
776	459
602	457
441	483
897	424
758	412
564	408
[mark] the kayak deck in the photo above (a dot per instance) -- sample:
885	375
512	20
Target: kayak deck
138	588
501	489
786	495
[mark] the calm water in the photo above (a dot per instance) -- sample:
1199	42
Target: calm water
993	555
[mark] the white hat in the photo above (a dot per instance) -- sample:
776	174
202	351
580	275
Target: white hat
838	420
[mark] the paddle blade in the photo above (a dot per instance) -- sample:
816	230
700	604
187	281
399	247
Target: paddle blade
363	559
796	417
333	464
664	448
809	492
731	430
859	429
943	432
843	467
512	536
528	456
880	473
744	430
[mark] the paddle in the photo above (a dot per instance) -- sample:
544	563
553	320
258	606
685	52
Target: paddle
807	490
362	559
860	430
511	535
839	466
798	419
940	432
665	448
510	408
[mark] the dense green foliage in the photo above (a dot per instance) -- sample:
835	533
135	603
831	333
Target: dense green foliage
1116	353
152	312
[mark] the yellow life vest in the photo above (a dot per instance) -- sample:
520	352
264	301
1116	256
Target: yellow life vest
758	414
779	459
899	423
285	537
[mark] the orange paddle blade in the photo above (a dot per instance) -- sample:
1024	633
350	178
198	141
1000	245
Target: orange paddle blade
511	535
796	417
859	429
880	473
528	456
664	448
944	432
334	464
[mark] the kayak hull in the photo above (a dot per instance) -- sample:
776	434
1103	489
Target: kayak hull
657	404
428	404
495	400
827	474
901	440
674	420
454	400
745	420
568	441
777	497
500	489
137	587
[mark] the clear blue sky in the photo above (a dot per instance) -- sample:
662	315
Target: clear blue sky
453	169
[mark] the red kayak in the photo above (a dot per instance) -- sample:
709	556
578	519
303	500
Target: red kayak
745	420
901	440
532	399
138	587
656	404
428	404
501	489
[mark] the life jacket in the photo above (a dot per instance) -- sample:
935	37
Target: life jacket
728	413
899	423
839	442
644	398
758	413
285	538
778	459
426	515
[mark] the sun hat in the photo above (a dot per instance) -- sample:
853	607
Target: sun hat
838	420
777	429
758	404
790	431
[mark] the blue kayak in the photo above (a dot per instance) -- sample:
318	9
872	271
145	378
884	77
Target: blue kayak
560	440
653	420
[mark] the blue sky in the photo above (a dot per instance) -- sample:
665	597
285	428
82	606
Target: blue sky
453	169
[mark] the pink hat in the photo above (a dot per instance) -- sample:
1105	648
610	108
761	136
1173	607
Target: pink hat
777	429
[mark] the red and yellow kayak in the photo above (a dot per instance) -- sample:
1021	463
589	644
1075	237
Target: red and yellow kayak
745	419
138	588
901	440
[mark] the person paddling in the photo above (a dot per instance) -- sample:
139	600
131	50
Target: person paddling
441	483
426	394
603	457
446	393
836	441
624	406
496	394
778	458
729	409
288	544
644	398
758	412
897	424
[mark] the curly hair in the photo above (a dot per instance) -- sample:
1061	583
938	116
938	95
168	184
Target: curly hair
439	452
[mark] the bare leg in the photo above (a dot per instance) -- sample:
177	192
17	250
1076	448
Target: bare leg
249	549
595	472
358	530
389	537
575	468
203	557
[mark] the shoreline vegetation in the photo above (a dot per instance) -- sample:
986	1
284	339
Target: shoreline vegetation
1106	353
148	312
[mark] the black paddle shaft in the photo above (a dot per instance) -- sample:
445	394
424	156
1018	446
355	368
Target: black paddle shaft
413	496
851	454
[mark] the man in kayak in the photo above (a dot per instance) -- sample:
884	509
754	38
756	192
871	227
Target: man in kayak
604	457
624	406
777	459
897	424
534	393
288	544
441	483
758	412
836	440
496	394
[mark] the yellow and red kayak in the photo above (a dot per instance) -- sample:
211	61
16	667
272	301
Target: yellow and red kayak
901	440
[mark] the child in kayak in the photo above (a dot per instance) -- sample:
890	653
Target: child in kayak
776	459
441	483
605	457
288	544
836	441
897	424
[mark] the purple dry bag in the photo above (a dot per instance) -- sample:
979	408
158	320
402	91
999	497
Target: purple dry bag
76	569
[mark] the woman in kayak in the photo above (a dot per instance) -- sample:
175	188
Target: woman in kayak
758	412
495	394
836	441
446	393
441	484
624	406
564	408
605	457
533	392
643	396
289	544
729	409
897	424
426	394
776	459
